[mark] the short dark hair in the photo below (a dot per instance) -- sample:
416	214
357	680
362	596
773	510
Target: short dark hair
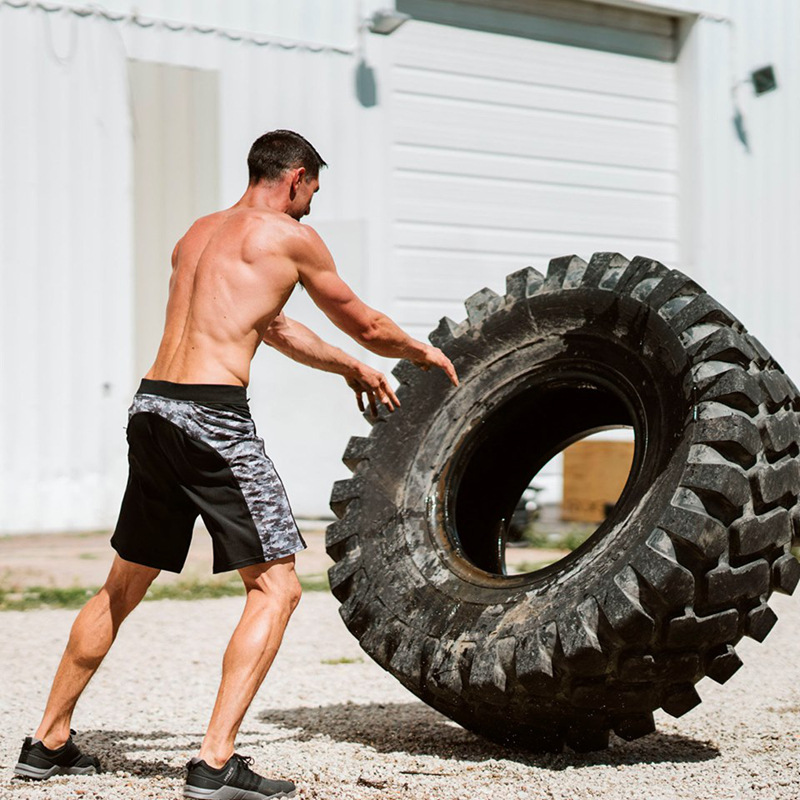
277	152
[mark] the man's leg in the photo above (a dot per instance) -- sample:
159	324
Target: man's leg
92	634
273	592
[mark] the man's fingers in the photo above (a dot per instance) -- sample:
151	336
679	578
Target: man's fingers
446	365
450	370
387	396
377	389
387	401
392	395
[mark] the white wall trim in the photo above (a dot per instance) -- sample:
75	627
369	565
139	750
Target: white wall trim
178	26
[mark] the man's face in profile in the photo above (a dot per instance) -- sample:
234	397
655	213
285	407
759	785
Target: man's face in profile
301	205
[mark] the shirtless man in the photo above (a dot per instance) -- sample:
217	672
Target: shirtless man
193	450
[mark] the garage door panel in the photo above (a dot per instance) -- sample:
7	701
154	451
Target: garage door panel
420	331
447	281
413	81
428	158
451	276
446	161
507	152
530	132
439	48
599	220
529	247
497	203
426	313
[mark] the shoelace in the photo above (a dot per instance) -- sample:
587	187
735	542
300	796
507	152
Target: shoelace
247	778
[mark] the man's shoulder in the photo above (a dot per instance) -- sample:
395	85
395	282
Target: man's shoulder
262	227
264	237
307	241
213	220
282	232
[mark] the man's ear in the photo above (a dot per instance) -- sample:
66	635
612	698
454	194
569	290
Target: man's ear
297	179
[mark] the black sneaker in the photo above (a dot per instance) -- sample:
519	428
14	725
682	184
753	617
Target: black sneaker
39	762
233	781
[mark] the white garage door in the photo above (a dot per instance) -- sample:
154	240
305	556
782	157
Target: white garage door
507	151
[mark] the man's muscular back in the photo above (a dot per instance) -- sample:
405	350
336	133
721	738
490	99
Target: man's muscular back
232	273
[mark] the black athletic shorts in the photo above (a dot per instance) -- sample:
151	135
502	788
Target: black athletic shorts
193	449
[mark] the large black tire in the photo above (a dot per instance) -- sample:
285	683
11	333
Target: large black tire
670	582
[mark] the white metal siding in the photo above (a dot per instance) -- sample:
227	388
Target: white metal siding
65	257
312	21
741	207
507	152
66	291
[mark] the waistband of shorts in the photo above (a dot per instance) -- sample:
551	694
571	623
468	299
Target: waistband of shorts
197	392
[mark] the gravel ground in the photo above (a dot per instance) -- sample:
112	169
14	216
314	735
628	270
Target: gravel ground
349	731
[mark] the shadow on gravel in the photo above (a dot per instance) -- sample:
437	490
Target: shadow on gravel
114	749
417	729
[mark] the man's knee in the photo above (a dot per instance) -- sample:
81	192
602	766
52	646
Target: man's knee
294	592
285	590
127	582
277	582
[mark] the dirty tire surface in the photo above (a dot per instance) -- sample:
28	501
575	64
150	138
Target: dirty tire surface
662	592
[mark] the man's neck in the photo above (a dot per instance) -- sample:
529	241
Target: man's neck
264	196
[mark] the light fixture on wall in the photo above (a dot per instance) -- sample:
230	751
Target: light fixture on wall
764	80
386	21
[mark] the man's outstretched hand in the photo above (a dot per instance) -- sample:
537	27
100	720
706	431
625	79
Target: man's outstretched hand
365	381
375	385
434	357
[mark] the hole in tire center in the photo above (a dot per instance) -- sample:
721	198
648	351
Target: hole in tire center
493	498
592	472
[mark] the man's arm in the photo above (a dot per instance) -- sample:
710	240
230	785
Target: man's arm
301	344
369	327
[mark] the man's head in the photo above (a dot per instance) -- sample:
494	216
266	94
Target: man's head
286	157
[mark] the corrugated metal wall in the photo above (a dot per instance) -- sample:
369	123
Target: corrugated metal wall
66	290
65	257
740	205
494	167
320	22
66	194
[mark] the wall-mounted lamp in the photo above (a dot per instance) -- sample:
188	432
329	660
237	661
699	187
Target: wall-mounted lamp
764	80
386	21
